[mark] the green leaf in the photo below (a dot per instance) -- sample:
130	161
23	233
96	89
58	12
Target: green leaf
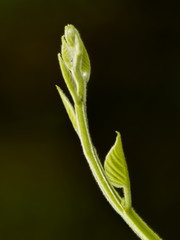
67	53
115	165
67	75
70	34
85	65
69	108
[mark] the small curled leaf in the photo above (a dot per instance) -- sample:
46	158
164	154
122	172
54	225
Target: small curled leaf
70	34
115	165
69	108
67	75
67	53
85	65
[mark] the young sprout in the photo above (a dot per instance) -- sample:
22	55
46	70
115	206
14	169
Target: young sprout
75	67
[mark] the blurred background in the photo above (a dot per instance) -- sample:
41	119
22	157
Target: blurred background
46	188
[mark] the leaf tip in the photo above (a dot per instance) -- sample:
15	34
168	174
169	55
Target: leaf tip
118	133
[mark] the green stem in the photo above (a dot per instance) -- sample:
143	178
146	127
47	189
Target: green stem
136	223
129	215
93	160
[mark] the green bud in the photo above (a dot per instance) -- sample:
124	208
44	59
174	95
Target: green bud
74	53
74	63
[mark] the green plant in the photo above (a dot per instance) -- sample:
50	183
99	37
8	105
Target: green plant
75	67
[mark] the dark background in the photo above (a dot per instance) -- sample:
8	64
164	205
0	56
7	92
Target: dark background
46	188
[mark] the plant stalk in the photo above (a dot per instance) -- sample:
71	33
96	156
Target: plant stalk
142	230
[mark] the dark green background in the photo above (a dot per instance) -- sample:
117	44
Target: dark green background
46	188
